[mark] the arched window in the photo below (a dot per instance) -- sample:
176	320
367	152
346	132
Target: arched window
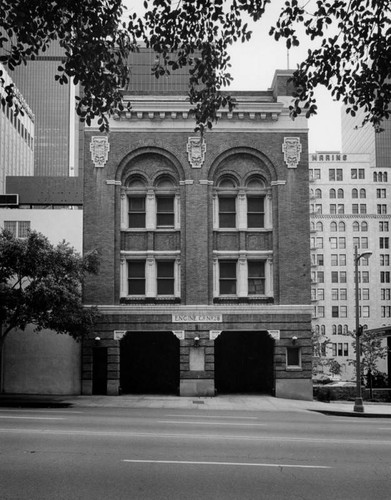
354	193
356	226
317	329
364	226
256	202
341	226
332	193
380	177
339	329
374	177
319	226
345	328
333	226
165	201
323	330
334	329
318	193
227	194
136	187
363	193
385	177
340	193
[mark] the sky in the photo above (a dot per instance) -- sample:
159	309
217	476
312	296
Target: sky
253	67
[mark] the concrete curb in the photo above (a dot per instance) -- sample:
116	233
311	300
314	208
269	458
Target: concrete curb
342	413
220	403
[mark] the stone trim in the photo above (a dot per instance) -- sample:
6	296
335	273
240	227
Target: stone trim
168	309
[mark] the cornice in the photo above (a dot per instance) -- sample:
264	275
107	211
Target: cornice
350	216
149	107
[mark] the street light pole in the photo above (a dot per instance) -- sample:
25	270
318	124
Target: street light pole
358	403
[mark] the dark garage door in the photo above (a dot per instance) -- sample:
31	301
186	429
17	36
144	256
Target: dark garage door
244	363
149	363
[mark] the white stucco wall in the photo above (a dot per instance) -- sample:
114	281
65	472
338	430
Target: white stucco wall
45	362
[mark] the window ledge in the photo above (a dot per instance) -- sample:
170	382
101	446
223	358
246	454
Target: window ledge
150	300
145	230
230	299
245	229
294	368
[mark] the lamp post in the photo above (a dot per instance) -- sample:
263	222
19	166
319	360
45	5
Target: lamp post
358	403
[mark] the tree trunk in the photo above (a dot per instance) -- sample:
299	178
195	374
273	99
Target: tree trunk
369	376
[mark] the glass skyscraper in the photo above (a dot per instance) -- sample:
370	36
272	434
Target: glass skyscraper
56	123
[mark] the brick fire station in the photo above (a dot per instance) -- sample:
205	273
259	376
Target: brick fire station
204	285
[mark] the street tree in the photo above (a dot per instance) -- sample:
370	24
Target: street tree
372	350
40	284
322	364
350	50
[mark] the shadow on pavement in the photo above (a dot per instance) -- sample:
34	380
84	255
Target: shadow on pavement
30	401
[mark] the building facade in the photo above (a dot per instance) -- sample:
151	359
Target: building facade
16	137
204	285
350	207
57	127
44	363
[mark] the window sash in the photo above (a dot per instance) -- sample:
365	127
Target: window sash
255	211
137	212
293	357
136	277
256	278
227	211
227	279
19	229
165	277
165	211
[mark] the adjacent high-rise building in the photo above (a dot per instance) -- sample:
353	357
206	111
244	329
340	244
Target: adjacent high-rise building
350	207
357	138
56	123
16	137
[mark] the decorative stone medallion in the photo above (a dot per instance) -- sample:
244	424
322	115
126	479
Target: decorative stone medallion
99	147
292	149
196	148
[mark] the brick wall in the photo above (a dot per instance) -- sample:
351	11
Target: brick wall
290	211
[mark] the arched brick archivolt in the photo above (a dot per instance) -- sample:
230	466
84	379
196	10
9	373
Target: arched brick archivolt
249	160
135	162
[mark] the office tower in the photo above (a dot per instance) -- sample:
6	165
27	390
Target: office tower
350	207
16	138
56	123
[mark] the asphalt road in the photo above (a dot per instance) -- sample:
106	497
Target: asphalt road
118	453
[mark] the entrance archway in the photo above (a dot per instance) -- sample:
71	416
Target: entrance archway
149	363
244	362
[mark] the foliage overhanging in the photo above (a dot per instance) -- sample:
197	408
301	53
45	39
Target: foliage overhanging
352	58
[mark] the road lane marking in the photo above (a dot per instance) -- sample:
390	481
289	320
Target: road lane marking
213	416
194	422
225	437
356	420
11	417
236	464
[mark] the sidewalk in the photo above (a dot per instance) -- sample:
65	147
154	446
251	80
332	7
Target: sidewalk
232	403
